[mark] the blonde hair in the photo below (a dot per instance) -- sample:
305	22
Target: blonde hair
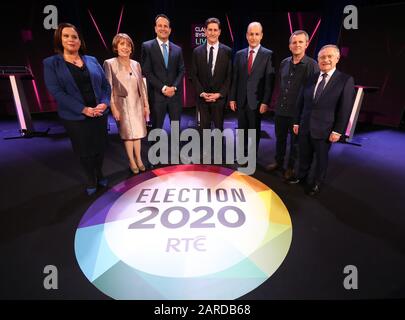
119	37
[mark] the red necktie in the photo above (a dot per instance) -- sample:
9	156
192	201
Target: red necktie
250	61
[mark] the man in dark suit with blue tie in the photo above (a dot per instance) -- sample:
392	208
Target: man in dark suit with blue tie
325	106
163	66
252	82
211	73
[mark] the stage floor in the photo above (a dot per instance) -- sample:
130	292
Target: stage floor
358	218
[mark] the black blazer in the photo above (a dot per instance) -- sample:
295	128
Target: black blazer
257	87
154	69
331	111
221	79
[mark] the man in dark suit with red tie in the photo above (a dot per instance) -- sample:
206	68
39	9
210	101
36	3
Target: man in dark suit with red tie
252	82
211	73
325	106
163	66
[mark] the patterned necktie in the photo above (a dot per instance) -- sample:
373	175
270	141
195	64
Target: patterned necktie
165	54
210	60
320	87
250	61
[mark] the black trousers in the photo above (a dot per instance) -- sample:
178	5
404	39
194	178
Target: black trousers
159	110
283	127
249	119
89	139
310	149
211	112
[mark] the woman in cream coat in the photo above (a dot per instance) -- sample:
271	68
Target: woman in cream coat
129	100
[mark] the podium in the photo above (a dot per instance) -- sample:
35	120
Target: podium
351	127
16	74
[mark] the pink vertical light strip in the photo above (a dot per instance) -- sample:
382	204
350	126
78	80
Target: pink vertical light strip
313	33
229	26
34	85
37	95
119	22
184	91
95	24
289	22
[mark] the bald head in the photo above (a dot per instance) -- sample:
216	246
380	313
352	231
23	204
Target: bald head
254	34
255	25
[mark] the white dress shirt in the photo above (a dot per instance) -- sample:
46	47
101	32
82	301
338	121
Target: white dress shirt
215	54
160	45
256	50
161	50
330	73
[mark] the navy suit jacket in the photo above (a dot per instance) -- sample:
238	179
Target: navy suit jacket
61	85
257	87
221	79
331	111
154	69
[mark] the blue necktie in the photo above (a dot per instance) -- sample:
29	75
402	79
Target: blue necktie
165	54
320	87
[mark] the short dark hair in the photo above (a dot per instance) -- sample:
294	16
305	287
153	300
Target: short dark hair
161	15
212	20
57	38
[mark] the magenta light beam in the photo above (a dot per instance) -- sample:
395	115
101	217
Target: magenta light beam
119	22
34	85
289	22
95	24
313	33
229	26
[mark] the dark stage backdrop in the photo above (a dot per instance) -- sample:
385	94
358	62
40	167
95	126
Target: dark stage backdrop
373	54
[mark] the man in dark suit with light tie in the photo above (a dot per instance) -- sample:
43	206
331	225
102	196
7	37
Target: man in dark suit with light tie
163	66
252	82
326	105
211	74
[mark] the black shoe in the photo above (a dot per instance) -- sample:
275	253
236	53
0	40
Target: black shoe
294	180
314	190
90	190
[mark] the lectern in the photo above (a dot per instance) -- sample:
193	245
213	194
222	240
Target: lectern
16	74
361	90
